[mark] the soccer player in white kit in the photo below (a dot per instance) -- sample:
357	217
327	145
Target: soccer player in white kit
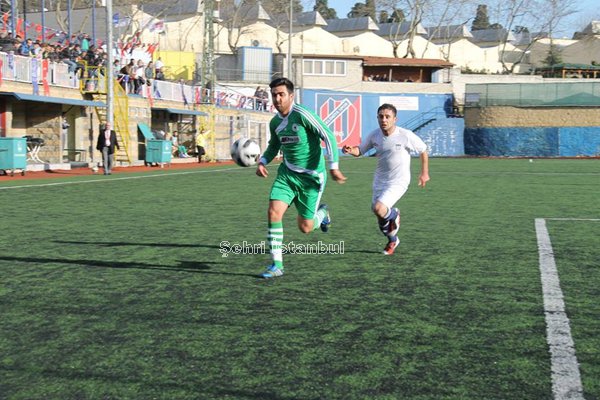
393	146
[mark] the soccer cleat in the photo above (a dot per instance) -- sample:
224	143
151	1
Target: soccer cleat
394	224
327	220
391	247
272	272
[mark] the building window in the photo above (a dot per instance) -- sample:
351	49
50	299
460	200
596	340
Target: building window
325	67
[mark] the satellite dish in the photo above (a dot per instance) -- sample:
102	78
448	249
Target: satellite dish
255	43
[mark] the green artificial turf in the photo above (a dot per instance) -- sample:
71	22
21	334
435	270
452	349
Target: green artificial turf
117	288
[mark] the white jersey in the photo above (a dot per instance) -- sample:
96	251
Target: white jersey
393	153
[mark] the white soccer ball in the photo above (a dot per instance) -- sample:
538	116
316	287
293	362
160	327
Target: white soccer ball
245	152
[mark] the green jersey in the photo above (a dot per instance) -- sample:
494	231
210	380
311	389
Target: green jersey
298	135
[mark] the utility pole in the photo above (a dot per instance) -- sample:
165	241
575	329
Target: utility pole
208	54
110	77
289	60
208	78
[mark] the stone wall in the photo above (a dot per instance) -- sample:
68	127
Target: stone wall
532	131
499	116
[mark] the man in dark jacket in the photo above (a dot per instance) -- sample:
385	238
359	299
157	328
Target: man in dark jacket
107	141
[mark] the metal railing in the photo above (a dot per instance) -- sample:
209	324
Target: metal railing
420	120
21	69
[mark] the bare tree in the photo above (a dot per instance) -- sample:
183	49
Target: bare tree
442	13
235	19
526	13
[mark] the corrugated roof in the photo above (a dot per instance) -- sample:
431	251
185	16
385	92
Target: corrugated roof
395	29
448	32
406	62
172	8
492	35
351	24
309	18
525	38
247	13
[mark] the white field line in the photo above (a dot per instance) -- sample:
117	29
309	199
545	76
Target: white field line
566	379
124	178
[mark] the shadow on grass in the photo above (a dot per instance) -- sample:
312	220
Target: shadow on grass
185	266
94	375
120	244
363	251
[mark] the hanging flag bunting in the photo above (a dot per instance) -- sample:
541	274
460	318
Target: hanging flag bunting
20	31
45	84
11	62
38	30
185	102
149	94
34	76
197	96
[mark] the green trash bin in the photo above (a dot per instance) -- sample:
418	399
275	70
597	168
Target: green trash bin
158	151
13	155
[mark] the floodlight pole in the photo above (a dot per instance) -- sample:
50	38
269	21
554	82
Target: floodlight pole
110	112
289	61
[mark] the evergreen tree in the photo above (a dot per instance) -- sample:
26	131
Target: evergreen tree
521	29
323	8
366	9
554	57
481	20
398	16
383	17
372	9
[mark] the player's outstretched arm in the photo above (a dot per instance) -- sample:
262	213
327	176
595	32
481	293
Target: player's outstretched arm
261	170
337	176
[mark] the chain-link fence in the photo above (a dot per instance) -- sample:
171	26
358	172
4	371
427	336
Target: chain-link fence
533	94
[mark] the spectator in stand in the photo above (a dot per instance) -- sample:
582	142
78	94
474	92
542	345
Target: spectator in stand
36	50
6	41
264	99
81	61
85	42
149	73
139	77
158	65
67	56
26	48
258	98
127	71
160	76
53	53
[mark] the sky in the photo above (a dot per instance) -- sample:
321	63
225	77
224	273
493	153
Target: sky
589	9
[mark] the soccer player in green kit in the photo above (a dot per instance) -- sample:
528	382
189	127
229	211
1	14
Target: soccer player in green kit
298	133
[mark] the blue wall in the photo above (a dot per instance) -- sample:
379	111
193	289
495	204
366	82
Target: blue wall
533	142
444	137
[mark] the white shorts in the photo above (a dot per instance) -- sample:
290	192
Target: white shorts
388	195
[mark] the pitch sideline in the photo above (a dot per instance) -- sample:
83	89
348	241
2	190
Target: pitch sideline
121	178
566	378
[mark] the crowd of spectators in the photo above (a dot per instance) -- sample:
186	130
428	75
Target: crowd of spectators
135	76
81	52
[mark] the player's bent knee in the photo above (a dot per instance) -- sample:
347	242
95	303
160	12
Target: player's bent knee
380	209
305	226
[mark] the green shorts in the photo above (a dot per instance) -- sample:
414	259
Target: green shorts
303	190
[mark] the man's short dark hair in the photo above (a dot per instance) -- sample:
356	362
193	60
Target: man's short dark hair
387	106
282	82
